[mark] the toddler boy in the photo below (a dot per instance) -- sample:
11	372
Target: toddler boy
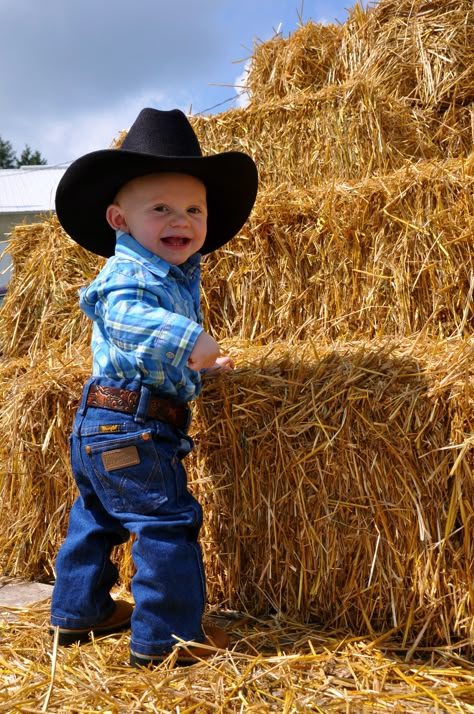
152	207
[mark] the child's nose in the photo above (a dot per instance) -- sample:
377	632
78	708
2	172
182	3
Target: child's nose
179	217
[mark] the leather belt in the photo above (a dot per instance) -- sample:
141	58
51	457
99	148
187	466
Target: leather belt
126	401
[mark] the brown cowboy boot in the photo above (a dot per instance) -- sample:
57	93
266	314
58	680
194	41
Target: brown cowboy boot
116	622
216	639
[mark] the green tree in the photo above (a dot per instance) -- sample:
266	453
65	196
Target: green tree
7	155
9	160
30	158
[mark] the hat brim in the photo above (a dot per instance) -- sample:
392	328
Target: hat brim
91	183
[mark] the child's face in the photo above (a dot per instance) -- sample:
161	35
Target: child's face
165	213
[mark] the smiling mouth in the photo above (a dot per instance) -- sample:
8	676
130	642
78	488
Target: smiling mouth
176	242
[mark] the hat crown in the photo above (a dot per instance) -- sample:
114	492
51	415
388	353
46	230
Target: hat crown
162	133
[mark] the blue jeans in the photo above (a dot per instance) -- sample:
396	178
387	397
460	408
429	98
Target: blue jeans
145	493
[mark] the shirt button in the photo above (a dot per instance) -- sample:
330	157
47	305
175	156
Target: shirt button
170	355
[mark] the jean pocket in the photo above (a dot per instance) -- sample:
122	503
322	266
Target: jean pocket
129	472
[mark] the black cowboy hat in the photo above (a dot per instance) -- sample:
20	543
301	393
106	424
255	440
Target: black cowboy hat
157	141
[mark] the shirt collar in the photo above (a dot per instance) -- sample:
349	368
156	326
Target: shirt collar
126	244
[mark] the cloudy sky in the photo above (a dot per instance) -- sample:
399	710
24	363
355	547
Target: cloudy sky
74	73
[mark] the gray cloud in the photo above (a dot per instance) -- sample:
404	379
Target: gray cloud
62	54
76	72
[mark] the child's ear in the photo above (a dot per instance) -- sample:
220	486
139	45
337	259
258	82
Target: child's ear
115	217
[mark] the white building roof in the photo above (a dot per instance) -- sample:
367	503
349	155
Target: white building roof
29	189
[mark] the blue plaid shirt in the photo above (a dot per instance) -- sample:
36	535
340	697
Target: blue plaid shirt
147	318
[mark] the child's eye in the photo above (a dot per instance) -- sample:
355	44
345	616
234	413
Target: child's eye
160	209
194	209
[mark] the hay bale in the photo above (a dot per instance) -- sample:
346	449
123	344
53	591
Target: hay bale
418	51
39	396
302	62
341	133
336	483
391	255
41	302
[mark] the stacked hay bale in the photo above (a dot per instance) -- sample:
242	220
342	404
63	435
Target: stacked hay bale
335	464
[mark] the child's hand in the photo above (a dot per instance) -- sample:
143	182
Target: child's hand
222	364
204	353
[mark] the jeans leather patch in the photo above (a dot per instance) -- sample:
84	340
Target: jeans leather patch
120	458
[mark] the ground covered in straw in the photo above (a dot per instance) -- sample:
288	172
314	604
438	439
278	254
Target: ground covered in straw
273	665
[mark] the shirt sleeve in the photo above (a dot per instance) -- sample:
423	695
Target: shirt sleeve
132	319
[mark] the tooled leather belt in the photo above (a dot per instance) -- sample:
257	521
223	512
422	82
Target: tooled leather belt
126	401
